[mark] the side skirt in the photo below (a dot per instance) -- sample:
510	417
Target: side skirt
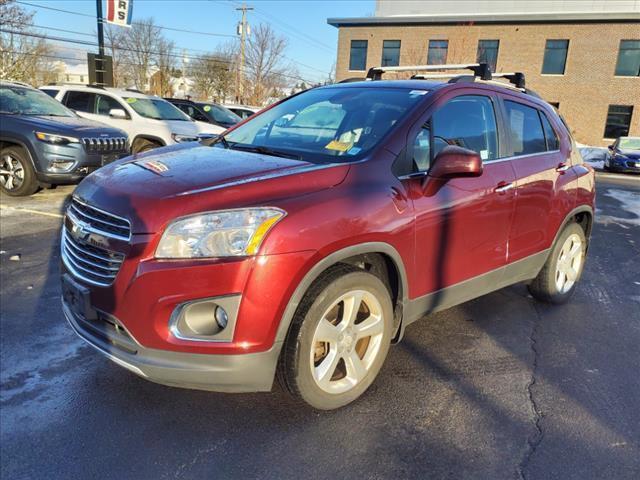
519	271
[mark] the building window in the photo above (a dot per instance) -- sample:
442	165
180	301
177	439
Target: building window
488	53
555	57
628	59
391	53
618	121
437	52
358	55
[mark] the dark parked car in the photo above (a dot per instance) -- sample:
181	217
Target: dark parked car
206	112
306	239
43	142
624	155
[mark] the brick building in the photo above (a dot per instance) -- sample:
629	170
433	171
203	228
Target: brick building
583	56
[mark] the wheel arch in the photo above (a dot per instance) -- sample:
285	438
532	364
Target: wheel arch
152	138
378	257
583	216
11	141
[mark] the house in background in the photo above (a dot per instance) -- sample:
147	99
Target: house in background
582	56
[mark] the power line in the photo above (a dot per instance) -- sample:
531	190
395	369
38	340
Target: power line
173	29
158	26
93	44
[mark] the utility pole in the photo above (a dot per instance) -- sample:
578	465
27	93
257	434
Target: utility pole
243	31
100	60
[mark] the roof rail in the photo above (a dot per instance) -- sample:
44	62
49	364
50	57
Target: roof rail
515	78
95	85
481	70
352	79
135	90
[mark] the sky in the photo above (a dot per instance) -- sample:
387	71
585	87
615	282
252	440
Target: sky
312	42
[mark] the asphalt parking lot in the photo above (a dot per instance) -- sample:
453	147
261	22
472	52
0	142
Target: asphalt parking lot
500	387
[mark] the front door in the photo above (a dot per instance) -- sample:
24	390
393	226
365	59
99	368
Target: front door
462	226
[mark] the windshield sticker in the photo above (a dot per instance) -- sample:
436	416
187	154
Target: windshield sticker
339	146
484	154
206	108
418	92
132	100
354	151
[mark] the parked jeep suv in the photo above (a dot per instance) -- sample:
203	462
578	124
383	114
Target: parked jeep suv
42	142
304	241
149	121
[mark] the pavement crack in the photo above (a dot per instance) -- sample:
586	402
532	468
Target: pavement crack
534	440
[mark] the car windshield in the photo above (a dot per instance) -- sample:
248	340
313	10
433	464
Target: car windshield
630	143
16	100
220	114
335	124
156	108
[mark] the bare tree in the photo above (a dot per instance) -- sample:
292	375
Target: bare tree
22	58
214	73
139	48
265	64
114	43
165	62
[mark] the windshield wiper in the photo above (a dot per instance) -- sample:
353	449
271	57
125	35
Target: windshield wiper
263	150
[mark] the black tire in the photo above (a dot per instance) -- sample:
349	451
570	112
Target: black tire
143	145
545	287
17	165
295	368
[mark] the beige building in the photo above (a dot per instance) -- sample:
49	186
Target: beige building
583	56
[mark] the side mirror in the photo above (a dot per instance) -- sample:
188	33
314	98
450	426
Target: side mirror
117	113
454	162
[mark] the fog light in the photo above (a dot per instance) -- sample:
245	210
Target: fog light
221	318
60	165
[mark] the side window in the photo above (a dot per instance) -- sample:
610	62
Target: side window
467	121
549	134
104	104
197	115
526	130
80	101
51	93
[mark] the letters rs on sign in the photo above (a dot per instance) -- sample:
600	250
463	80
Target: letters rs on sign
119	12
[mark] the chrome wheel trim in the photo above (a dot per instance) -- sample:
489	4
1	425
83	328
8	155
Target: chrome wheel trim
11	172
350	336
569	263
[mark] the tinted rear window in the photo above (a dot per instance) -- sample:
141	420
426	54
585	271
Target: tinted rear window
527	136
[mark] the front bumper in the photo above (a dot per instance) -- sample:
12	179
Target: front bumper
249	372
625	166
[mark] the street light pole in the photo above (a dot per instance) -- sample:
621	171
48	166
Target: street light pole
100	59
243	32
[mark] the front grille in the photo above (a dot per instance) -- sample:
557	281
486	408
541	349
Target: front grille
87	261
105	223
96	266
105	145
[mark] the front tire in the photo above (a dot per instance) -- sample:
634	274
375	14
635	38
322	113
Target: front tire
17	177
339	338
557	280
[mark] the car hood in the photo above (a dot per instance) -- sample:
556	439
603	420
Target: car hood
154	188
634	154
72	126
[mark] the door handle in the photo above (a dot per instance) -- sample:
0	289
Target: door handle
562	167
503	187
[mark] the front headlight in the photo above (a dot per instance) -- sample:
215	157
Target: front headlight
227	233
55	139
183	138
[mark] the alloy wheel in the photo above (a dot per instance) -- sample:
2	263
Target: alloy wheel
11	172
347	341
569	263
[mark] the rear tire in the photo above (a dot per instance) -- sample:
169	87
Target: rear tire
143	145
557	280
339	338
17	176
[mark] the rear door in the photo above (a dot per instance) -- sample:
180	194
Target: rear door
543	177
462	226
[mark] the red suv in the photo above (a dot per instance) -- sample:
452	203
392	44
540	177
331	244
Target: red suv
304	241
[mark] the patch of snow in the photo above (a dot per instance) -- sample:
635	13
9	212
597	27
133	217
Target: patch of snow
629	202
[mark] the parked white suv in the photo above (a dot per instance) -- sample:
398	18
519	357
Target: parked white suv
150	121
